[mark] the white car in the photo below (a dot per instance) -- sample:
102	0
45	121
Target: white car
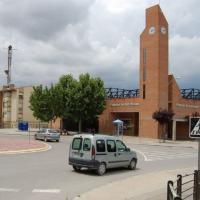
100	152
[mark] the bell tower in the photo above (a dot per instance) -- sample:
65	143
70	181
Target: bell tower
153	69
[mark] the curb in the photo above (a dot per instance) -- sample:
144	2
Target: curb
34	150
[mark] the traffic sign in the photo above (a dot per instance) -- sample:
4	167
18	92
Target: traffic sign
194	127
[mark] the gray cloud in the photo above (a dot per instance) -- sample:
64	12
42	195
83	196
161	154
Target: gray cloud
40	20
100	37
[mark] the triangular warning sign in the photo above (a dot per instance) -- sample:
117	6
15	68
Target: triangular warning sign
196	130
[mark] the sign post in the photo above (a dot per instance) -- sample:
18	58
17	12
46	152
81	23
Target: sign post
194	132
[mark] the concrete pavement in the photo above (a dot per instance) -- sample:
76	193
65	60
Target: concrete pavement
139	187
151	186
126	139
20	144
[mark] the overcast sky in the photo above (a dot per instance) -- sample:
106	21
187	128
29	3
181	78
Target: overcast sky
101	37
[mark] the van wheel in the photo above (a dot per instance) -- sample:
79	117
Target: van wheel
132	164
101	169
77	169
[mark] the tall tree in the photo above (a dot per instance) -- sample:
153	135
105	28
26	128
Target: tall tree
80	100
67	85
44	102
83	99
163	117
90	98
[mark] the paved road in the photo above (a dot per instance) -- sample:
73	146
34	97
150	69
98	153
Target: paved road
47	176
156	152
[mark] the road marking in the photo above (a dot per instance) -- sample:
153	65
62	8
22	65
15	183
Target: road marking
140	152
9	190
162	153
46	191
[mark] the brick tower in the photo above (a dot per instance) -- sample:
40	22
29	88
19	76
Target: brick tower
153	70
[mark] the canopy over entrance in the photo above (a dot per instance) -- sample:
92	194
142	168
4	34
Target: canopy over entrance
119	126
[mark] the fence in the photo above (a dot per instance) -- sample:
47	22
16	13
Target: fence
112	93
184	187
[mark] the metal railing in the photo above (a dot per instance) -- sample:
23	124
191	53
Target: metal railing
112	93
190	93
185	187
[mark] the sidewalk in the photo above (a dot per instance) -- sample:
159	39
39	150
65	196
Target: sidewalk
157	142
19	144
151	186
126	139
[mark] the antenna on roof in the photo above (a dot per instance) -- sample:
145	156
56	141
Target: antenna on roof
8	70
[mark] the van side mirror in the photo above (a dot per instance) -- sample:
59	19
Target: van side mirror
128	149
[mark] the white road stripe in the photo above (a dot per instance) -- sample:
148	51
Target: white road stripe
140	152
152	154
46	191
9	190
171	155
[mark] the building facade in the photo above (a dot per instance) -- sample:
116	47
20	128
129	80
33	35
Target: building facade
158	90
15	106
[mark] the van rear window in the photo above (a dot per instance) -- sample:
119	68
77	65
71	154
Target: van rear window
86	144
100	144
77	143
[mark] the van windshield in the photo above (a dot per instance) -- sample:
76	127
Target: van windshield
77	143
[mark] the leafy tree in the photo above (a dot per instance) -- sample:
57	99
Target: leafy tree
67	85
44	102
83	99
80	100
90	98
163	117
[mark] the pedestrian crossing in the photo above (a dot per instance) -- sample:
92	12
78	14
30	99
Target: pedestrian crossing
156	152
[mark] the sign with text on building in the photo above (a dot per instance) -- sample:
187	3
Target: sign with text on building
194	127
124	104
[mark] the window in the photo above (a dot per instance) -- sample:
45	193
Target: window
144	56
53	131
144	73
100	144
120	146
77	142
144	91
86	144
111	147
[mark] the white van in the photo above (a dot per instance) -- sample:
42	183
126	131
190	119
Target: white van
100	152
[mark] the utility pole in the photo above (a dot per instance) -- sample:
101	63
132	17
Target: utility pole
8	71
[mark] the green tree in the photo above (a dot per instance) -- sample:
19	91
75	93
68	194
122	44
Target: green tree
90	98
67	85
80	100
44	102
163	117
83	99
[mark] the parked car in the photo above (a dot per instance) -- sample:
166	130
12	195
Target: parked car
100	152
48	135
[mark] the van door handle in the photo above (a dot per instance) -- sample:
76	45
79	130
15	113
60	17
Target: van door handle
115	154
